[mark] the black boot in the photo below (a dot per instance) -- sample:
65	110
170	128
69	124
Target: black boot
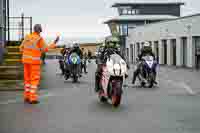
155	82
134	78
97	88
135	74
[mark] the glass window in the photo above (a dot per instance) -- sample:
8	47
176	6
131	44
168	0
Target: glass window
124	29
129	11
133	11
125	11
137	11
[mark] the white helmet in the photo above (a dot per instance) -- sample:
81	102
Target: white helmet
146	44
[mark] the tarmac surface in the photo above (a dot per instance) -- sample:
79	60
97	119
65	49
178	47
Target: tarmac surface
65	107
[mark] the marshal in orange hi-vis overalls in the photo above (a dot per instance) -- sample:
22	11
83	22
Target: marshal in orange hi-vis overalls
32	47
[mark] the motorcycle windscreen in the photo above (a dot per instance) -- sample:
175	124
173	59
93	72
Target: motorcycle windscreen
149	60
74	59
116	65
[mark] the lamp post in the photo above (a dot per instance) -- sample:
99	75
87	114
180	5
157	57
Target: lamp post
22	22
8	20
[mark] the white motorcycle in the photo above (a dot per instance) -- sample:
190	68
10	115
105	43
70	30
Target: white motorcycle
146	74
112	80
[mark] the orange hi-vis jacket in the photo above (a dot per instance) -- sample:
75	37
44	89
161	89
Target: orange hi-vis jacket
32	48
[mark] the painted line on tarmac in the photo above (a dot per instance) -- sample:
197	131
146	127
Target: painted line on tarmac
188	89
183	85
13	101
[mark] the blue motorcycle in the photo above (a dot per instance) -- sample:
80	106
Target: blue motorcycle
74	67
147	72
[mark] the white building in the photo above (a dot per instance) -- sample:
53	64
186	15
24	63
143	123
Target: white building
175	42
131	15
2	20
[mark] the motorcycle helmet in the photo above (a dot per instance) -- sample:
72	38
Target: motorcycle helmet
67	46
147	46
75	45
37	28
113	42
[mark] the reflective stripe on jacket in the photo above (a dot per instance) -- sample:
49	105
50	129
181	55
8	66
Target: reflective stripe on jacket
32	48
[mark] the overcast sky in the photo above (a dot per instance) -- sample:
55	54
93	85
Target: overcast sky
78	18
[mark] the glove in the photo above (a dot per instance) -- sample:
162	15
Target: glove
57	39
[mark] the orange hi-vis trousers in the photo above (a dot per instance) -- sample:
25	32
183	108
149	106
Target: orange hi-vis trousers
31	81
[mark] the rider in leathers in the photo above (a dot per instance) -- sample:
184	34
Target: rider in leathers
76	49
110	47
146	50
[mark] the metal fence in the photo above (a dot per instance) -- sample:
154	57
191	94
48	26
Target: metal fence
18	27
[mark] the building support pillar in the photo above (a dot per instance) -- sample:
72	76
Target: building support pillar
169	53
161	53
179	52
190	52
153	47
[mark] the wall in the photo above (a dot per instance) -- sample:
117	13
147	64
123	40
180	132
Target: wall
168	29
159	9
92	47
174	29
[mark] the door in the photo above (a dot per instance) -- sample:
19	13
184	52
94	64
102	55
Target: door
131	46
164	43
127	54
173	43
156	49
184	51
197	51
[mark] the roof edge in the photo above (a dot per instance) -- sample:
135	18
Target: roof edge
188	16
148	3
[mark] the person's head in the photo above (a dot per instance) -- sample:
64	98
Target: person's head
37	28
76	45
113	42
67	46
147	46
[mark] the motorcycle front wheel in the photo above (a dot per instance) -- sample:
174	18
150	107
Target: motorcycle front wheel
75	78
117	93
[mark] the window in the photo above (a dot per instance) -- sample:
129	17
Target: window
124	29
125	12
128	11
137	11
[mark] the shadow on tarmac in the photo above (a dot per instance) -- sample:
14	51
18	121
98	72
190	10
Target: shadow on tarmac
106	107
138	87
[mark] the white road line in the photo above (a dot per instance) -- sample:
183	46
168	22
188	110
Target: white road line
183	85
188	89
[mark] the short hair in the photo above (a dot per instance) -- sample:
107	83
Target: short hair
37	28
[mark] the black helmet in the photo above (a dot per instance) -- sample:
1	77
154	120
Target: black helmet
76	45
37	28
